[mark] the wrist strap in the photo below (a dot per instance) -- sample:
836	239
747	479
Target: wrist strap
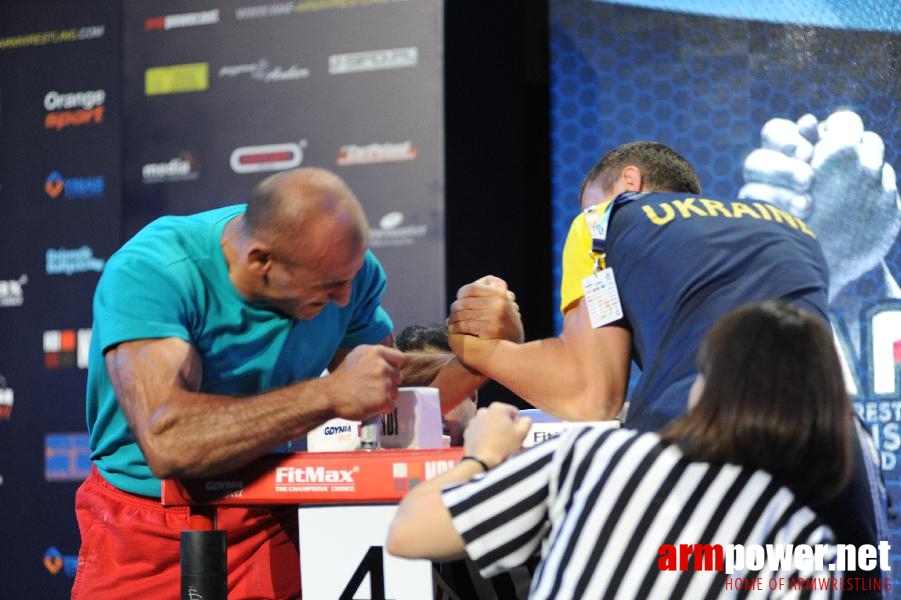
481	462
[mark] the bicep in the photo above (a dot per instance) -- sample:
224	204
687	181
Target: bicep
602	354
147	373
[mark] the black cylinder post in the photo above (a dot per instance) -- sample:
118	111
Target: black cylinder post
203	568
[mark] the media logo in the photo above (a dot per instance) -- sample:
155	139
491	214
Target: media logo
55	561
67	457
11	292
177	79
6	400
74	188
269	157
66	348
181	168
192	19
264	71
374	60
390	232
67	261
376	153
73	108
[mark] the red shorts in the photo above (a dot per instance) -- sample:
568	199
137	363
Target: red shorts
130	547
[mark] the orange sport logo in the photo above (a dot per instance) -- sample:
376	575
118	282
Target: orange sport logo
72	109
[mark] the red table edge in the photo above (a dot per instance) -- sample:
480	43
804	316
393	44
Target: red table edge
358	477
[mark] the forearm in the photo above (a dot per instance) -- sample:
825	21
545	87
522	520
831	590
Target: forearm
198	434
422	527
551	375
185	432
455	382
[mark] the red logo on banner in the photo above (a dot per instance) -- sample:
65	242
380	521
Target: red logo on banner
66	348
59	348
265	157
206	17
270	157
6	400
154	23
353	154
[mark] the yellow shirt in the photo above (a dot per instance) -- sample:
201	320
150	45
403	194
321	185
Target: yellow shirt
578	259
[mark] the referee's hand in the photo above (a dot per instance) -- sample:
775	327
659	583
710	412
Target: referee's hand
495	433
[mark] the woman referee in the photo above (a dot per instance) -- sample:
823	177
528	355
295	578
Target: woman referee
615	513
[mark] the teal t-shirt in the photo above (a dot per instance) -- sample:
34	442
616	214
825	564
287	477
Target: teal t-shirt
171	280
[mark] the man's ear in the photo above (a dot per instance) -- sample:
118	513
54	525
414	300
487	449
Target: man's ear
259	260
632	179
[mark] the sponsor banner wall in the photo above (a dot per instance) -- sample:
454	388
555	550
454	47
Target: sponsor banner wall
222	97
112	115
60	207
706	84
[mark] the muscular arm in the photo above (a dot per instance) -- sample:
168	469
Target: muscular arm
580	375
187	433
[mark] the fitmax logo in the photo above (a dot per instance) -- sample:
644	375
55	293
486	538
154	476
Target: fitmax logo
314	475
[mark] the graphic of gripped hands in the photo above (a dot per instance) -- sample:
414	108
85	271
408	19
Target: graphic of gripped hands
833	175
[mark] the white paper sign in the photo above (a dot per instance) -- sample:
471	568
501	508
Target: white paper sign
343	556
416	422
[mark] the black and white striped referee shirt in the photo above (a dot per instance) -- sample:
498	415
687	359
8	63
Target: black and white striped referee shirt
598	504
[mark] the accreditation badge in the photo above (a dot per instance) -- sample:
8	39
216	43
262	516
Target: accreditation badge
602	298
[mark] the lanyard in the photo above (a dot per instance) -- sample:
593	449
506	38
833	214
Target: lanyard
598	225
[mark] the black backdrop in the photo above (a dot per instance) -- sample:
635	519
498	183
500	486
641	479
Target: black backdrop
497	148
